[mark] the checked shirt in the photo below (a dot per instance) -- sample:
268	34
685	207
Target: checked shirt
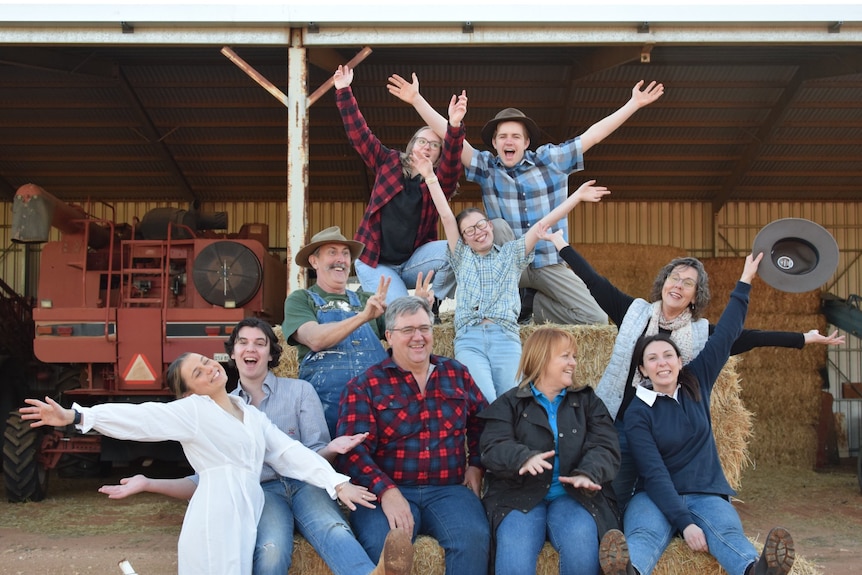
413	440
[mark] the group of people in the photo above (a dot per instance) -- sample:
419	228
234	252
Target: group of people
492	452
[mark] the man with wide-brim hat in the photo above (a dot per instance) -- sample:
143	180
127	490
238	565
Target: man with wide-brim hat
521	184
336	331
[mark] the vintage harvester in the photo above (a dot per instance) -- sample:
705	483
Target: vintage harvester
115	304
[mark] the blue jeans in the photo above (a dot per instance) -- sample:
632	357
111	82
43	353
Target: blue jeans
317	517
427	257
626	479
491	354
570	528
452	514
648	532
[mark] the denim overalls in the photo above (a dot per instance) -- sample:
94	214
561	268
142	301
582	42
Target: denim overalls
329	370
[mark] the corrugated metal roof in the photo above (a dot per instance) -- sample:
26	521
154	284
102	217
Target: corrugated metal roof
160	123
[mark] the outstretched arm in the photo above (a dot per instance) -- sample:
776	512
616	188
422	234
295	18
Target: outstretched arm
457	110
409	92
586	193
606	126
181	488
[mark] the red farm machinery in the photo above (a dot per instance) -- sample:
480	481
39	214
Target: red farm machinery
115	304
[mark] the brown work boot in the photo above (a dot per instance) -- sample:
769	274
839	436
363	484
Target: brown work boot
397	555
778	554
614	554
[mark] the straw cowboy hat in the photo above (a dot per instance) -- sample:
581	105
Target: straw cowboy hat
798	255
510	115
328	236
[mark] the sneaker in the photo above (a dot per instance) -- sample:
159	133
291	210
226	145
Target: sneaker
614	554
778	554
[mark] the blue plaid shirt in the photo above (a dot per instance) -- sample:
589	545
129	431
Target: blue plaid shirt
525	193
488	285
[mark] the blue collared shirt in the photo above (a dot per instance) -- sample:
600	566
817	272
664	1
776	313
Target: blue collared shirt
293	406
525	193
551	408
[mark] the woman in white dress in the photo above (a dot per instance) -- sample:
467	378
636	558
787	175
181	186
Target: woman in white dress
226	441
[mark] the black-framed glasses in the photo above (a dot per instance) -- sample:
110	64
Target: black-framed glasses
424	142
470	231
410	330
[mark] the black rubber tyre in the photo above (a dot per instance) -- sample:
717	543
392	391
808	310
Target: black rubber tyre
26	479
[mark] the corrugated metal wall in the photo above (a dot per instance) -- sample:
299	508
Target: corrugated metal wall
689	225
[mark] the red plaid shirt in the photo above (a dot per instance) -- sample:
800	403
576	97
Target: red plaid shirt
413	439
388	179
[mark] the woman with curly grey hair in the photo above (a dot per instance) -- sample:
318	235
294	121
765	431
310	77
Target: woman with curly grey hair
679	296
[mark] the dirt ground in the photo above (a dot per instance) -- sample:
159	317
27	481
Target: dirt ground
77	531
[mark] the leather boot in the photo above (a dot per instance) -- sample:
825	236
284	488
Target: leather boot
614	554
778	554
435	309
397	555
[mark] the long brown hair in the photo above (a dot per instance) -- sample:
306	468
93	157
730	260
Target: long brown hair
686	379
538	350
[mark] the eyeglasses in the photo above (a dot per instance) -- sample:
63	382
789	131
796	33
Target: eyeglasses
410	330
687	283
470	231
423	142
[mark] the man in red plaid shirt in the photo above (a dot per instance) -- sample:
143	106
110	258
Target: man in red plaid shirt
421	456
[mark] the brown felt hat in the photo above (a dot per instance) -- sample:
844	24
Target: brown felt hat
798	255
510	115
328	236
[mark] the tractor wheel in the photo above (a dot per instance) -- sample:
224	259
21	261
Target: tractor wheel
26	479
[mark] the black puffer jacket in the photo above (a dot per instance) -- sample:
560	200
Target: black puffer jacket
516	428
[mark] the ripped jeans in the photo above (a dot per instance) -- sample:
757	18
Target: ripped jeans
317	517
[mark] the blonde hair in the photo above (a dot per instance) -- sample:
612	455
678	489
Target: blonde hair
405	155
539	349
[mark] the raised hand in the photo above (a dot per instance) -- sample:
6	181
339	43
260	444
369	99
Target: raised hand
813	336
402	89
343	77
537	464
589	192
648	95
376	304
423	287
422	164
457	108
750	269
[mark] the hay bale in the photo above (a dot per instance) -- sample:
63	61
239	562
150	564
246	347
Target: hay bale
780	385
642	263
732	424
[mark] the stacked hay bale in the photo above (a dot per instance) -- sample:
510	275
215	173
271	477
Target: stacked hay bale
732	424
780	385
